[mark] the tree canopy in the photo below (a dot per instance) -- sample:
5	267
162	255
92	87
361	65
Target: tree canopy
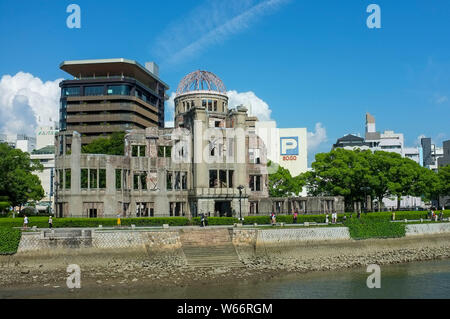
357	174
282	184
111	145
18	184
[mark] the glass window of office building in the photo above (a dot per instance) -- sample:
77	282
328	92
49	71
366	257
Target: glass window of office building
72	91
118	90
93	90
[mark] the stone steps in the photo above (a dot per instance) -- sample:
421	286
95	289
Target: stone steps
209	248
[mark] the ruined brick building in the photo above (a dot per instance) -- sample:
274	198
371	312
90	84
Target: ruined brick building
210	162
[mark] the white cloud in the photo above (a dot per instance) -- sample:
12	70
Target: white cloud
210	23
254	104
316	138
26	102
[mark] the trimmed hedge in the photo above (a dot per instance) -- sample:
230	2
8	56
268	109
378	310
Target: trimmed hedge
42	222
9	240
368	228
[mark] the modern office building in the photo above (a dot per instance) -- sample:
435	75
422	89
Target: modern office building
285	146
211	162
45	136
431	153
46	156
22	142
110	95
351	142
389	141
444	160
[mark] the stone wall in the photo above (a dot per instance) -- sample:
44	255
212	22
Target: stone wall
424	229
95	240
99	240
287	236
242	237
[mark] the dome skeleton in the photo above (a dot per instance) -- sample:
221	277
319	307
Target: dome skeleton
201	81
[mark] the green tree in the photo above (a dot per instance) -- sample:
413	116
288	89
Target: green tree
282	184
17	181
444	180
430	184
406	178
382	165
340	173
112	145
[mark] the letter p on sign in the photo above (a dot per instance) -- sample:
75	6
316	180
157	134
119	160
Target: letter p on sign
289	146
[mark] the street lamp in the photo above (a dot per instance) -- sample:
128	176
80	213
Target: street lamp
56	199
365	189
240	188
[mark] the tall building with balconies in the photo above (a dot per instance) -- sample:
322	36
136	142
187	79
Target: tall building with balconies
110	95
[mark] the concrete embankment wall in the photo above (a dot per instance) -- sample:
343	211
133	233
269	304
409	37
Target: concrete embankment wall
427	229
145	241
286	236
86	240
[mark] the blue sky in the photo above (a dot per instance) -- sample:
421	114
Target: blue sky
310	61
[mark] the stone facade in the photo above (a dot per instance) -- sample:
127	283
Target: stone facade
212	162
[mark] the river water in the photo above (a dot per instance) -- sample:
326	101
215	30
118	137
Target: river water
430	280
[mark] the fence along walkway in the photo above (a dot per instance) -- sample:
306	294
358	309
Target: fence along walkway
209	248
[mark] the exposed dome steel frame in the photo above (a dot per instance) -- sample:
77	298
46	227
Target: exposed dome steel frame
201	81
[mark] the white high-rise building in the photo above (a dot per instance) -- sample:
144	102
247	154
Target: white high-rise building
286	147
388	141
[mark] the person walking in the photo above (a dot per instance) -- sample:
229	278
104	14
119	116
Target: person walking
119	223
274	219
326	219
202	220
50	222
295	217
25	221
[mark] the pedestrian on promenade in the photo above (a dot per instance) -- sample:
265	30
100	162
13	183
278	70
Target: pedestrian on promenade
119	223
295	217
202	220
274	219
25	221
326	219
50	222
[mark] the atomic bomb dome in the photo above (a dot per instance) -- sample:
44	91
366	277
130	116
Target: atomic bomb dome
201	89
201	81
